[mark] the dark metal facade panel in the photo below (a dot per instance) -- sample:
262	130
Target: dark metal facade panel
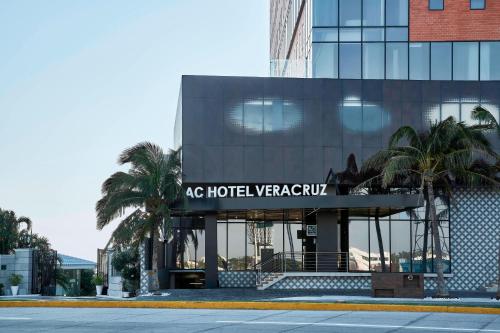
286	130
321	202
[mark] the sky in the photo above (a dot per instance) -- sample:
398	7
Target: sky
82	80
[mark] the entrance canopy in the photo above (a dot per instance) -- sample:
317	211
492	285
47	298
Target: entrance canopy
359	205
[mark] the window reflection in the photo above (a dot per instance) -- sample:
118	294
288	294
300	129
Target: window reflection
465	61
350	12
350	61
440	61
373	61
264	115
379	245
325	60
400	246
419	61
397	61
373	12
490	66
325	12
359	258
397	12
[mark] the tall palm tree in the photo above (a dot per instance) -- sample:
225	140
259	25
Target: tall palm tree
10	231
151	186
442	155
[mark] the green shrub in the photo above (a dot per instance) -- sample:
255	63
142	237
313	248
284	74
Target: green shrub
98	280
15	279
126	262
87	287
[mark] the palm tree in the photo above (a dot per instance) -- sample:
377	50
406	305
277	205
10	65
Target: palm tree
151	186
442	155
10	231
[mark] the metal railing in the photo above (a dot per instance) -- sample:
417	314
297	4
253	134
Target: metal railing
283	262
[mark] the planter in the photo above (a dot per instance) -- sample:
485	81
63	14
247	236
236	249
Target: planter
125	294
98	290
14	290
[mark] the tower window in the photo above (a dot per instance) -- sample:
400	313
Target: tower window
477	4
436	4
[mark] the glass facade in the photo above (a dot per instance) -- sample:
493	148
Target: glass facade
362	22
393	242
397	243
490	66
246	238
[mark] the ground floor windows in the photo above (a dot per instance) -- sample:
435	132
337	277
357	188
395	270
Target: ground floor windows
400	242
246	238
376	240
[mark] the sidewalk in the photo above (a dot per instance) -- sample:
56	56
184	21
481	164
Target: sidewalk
264	300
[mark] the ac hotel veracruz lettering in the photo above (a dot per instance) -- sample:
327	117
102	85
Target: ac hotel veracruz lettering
249	191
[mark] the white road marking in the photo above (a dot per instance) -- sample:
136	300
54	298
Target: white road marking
430	328
14	318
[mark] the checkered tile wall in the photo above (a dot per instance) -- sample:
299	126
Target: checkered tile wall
475	237
237	279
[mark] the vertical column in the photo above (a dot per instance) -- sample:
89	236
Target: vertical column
144	280
211	250
327	241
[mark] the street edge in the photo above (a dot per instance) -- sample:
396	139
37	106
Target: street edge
251	306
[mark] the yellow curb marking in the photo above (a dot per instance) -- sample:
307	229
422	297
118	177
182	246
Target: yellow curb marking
250	306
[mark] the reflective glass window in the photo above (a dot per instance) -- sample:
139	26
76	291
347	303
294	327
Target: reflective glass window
400	246
325	60
450	110
325	34
273	115
350	60
373	12
396	34
440	61
419	61
292	243
490	64
373	34
359	257
222	246
373	61
465	61
436	4
350	35
253	117
379	245
396	65
350	12
477	4
325	13
396	12
236	246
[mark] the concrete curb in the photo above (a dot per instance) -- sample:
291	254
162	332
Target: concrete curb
252	306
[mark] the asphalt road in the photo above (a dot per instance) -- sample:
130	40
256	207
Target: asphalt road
173	320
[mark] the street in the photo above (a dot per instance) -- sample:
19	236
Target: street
185	320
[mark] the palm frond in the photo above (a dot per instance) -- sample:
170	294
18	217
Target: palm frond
408	133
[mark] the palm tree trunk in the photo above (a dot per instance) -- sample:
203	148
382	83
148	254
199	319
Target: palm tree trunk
426	235
380	241
442	291
156	282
